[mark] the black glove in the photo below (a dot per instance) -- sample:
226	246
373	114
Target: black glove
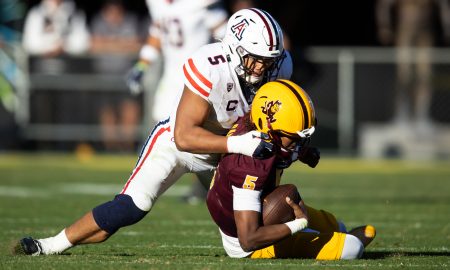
134	77
309	155
264	150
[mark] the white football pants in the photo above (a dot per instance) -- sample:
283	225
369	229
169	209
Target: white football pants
160	165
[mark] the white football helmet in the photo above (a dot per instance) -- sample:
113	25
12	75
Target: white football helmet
253	36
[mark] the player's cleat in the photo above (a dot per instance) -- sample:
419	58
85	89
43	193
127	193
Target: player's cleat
28	246
364	233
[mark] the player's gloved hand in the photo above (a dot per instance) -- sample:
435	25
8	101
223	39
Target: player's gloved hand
309	156
251	144
134	77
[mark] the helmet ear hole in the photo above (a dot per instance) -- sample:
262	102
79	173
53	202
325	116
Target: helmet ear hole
240	50
260	124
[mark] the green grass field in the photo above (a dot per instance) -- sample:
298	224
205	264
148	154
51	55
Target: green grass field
408	203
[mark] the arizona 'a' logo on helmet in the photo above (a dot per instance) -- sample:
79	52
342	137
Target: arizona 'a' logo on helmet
254	33
239	28
284	107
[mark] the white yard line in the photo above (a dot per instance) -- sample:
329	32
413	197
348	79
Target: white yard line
23	192
78	188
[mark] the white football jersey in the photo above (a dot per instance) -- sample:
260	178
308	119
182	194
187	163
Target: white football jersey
209	74
183	26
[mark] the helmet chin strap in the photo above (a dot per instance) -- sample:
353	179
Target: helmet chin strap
248	82
254	79
248	89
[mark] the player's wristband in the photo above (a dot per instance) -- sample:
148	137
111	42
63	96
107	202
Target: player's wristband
233	144
241	145
245	144
297	225
149	53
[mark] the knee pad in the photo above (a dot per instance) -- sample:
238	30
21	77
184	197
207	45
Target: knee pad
118	213
353	248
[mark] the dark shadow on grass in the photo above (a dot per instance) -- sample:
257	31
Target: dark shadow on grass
120	254
123	254
377	255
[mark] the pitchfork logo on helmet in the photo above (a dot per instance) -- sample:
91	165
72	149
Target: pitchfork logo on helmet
270	108
285	108
239	28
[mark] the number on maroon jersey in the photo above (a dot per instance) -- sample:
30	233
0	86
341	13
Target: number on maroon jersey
249	182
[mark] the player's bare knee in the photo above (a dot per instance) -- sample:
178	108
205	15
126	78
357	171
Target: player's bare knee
353	248
118	213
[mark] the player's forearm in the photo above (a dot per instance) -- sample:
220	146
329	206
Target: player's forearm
199	140
263	236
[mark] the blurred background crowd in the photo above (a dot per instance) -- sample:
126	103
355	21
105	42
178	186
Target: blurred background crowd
378	72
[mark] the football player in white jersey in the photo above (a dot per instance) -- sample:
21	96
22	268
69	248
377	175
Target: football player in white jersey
178	28
173	36
221	80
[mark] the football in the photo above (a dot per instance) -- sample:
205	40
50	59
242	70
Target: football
275	209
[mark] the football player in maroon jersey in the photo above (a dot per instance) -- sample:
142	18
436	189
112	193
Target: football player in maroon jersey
284	111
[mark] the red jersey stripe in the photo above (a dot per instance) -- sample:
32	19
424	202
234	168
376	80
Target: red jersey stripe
161	131
198	74
194	84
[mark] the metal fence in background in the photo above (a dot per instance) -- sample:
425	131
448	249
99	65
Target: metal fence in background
58	98
355	102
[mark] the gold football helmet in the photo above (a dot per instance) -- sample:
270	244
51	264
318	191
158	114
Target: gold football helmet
283	107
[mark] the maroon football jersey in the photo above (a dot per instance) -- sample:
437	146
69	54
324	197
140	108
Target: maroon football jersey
242	172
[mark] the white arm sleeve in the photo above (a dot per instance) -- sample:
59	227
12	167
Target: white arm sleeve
246	199
35	39
77	41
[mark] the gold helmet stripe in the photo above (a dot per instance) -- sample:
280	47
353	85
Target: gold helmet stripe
302	103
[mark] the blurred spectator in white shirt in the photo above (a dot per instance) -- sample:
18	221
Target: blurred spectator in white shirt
54	27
